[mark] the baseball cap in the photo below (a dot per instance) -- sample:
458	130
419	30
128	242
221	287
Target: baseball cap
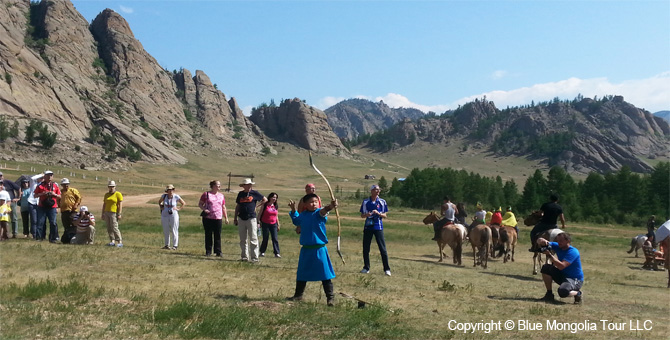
374	186
83	208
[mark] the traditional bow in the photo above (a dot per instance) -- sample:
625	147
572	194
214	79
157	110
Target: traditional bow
332	197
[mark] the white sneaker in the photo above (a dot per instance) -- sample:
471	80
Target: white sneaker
365	271
111	244
387	272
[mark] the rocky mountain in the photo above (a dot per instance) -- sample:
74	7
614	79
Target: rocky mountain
663	114
582	135
294	121
96	87
353	117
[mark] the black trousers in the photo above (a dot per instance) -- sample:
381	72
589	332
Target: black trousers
212	235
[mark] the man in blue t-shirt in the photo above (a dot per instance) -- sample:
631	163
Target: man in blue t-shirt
565	269
373	209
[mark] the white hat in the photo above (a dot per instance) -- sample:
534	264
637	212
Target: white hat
48	172
64	181
83	208
246	181
111	184
4	196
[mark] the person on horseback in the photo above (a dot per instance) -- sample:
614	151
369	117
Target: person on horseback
509	220
551	212
479	217
449	211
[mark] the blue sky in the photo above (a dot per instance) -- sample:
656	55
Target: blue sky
431	55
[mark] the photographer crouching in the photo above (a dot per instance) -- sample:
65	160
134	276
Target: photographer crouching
565	270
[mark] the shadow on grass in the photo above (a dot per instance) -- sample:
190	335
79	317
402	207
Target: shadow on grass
435	261
514	276
636	285
529	299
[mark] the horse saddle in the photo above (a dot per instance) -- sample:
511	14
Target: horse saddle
443	223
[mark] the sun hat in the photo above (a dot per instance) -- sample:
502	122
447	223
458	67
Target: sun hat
64	181
246	181
48	172
111	184
83	208
4	196
169	187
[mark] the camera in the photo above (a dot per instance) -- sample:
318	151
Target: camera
545	248
170	211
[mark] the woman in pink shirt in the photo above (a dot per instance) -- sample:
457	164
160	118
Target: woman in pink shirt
213	206
270	224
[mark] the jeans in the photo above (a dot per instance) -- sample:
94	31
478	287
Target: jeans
42	215
381	243
14	217
29	218
269	230
212	235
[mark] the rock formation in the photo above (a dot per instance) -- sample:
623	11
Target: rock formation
353	117
296	122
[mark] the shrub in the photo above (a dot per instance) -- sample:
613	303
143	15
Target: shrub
95	134
266	150
8	78
131	153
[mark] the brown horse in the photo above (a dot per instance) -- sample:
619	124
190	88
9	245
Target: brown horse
480	240
451	235
508	238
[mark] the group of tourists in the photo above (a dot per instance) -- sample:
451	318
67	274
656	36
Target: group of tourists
39	198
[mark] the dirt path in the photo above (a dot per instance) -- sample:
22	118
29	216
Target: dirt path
141	200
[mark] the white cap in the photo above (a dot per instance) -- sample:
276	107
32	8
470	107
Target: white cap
64	181
83	208
48	172
4	196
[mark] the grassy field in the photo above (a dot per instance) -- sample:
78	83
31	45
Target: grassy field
53	291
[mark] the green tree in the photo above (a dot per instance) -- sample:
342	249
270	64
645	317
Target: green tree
383	186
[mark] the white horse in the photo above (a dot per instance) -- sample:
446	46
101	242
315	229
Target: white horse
637	242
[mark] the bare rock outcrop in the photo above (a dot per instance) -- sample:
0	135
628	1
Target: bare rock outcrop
296	122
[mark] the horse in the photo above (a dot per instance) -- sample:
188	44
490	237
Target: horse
549	235
637	242
495	241
480	240
451	235
508	238
533	218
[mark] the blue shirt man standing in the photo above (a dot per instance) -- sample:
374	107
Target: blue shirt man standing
374	209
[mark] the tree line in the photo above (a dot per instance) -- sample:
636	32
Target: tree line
621	197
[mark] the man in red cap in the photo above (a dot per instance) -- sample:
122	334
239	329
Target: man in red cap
309	189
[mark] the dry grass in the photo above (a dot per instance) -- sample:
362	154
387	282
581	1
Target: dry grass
141	291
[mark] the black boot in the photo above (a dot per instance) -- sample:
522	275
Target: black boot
330	294
436	236
299	289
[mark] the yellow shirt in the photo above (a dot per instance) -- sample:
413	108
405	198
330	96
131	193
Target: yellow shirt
111	200
487	219
509	219
5	209
70	199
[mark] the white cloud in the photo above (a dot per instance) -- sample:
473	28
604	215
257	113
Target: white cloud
652	93
127	10
247	110
499	74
